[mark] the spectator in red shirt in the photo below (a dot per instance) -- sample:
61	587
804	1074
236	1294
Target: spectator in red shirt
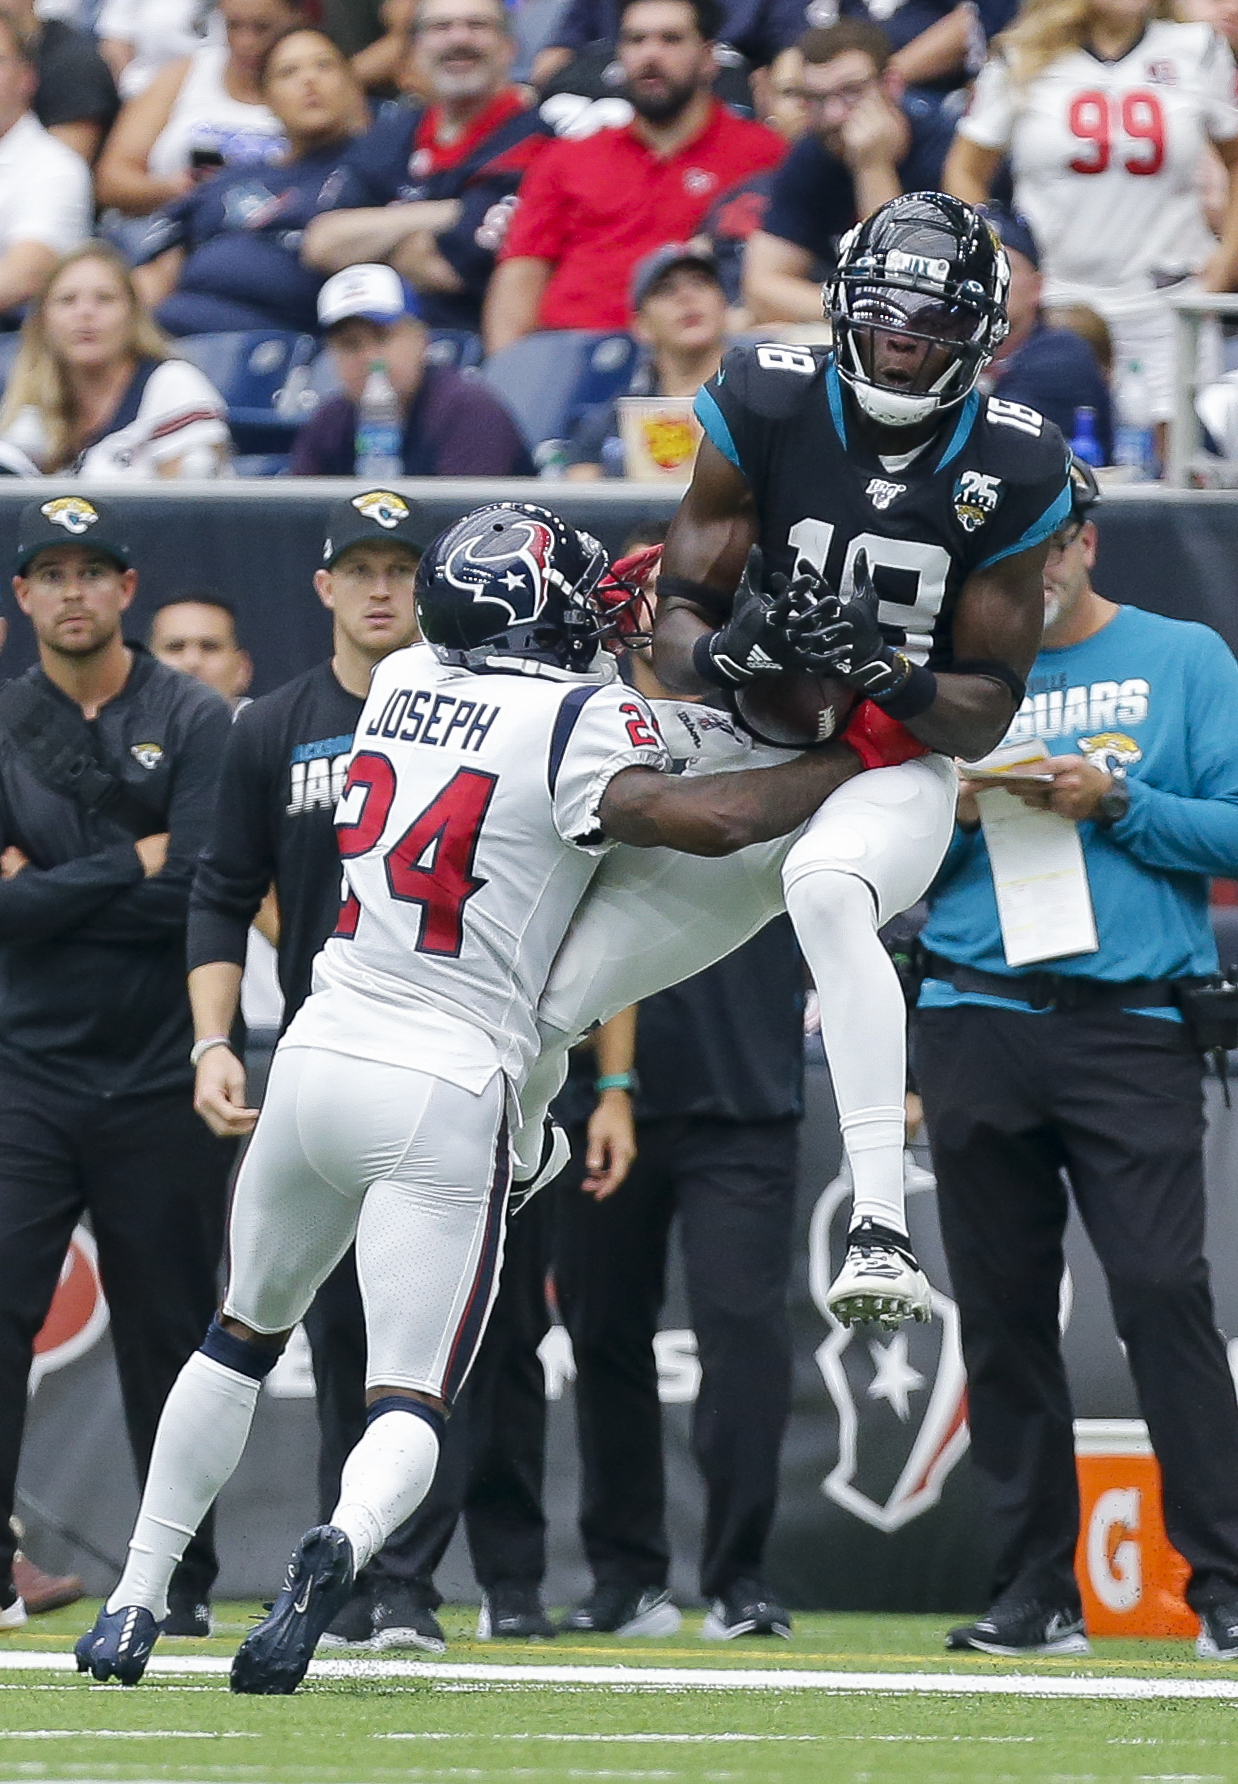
589	211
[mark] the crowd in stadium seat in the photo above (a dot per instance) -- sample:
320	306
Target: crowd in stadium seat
514	164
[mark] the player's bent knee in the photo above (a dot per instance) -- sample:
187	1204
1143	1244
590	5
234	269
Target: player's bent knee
829	896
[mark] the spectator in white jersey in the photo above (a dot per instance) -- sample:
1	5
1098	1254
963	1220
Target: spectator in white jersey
1104	109
199	114
45	201
94	391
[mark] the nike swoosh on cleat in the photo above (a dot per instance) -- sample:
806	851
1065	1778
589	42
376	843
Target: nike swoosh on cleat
299	1604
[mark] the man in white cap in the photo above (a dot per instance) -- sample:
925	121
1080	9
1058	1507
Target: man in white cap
451	426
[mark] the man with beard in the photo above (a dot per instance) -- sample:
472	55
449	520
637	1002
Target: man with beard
429	191
589	211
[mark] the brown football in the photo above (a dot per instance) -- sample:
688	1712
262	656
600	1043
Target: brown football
795	709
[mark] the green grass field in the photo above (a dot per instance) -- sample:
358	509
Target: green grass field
363	1729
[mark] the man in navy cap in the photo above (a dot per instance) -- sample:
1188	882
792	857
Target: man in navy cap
1050	369
108	764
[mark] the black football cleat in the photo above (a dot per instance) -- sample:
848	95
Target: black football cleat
119	1645
275	1656
1023	1627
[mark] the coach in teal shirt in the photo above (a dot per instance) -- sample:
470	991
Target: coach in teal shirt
1077	1077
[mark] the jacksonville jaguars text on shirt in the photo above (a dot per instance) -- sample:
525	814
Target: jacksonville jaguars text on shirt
1065	712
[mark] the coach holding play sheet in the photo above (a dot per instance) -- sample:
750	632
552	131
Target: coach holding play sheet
108	762
1058	1044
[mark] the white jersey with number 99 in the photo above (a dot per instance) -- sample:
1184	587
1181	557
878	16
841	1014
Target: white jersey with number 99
1106	158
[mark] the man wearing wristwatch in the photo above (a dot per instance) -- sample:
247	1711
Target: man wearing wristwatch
1082	1068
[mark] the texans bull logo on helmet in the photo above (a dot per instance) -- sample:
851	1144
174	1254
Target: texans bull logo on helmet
522	554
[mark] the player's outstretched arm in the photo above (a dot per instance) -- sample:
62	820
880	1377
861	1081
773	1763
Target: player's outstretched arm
706	549
998	621
717	814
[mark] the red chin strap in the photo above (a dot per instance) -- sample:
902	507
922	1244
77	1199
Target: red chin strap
621	593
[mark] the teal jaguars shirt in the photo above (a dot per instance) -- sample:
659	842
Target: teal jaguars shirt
1160	695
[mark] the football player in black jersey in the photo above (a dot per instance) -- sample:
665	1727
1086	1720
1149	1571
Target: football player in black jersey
913	517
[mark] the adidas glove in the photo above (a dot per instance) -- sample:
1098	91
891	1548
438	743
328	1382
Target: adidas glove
852	646
763	634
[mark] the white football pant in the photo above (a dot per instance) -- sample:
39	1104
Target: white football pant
653	917
412	1167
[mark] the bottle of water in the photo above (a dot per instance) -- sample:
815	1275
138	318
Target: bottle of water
380	435
1134	442
1085	442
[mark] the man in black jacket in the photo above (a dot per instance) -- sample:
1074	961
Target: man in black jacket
108	764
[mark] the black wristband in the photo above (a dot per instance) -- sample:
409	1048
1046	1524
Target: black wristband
703	663
715	601
911	697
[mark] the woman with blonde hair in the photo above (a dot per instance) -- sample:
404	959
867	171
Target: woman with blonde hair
93	390
1105	108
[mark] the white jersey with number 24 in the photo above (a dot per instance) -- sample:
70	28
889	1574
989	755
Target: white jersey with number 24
469	832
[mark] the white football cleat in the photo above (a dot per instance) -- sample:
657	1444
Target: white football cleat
880	1280
556	1151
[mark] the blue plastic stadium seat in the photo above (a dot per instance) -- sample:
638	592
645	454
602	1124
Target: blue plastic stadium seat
255	372
548	380
457	348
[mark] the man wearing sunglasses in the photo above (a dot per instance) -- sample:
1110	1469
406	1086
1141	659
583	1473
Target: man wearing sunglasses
1081	1072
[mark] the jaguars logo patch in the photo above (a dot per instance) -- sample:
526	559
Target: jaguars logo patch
1111	746
382	506
73	513
976	496
147	755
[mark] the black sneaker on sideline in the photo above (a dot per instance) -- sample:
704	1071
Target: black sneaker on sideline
188	1616
403	1620
1031	1626
512	1611
619	1609
745	1608
353	1626
1218	1632
275	1656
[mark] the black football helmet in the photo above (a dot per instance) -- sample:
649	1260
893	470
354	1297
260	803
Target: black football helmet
513	583
928	268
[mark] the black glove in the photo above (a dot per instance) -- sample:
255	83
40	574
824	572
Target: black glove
852	644
754	641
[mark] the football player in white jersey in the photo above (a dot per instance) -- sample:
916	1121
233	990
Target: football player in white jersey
493	767
1105	115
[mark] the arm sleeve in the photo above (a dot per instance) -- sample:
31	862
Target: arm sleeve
539	227
370	169
238	863
55	205
40	903
158	906
182	410
989	119
469	245
1197	832
1218	78
598	732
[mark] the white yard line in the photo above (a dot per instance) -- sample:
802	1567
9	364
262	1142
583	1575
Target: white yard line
1224	1687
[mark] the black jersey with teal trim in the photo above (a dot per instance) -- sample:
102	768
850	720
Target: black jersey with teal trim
991	483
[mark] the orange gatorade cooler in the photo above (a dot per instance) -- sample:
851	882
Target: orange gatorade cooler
1130	1575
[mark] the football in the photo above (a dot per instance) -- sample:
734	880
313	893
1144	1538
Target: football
795	709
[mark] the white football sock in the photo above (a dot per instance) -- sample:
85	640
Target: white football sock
864	1031
201	1436
385	1479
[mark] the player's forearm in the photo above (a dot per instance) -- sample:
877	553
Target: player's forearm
614	1044
214	997
969	717
675	633
719	814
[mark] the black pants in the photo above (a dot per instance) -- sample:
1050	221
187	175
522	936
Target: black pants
493	1455
733	1186
1113	1101
153	1180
